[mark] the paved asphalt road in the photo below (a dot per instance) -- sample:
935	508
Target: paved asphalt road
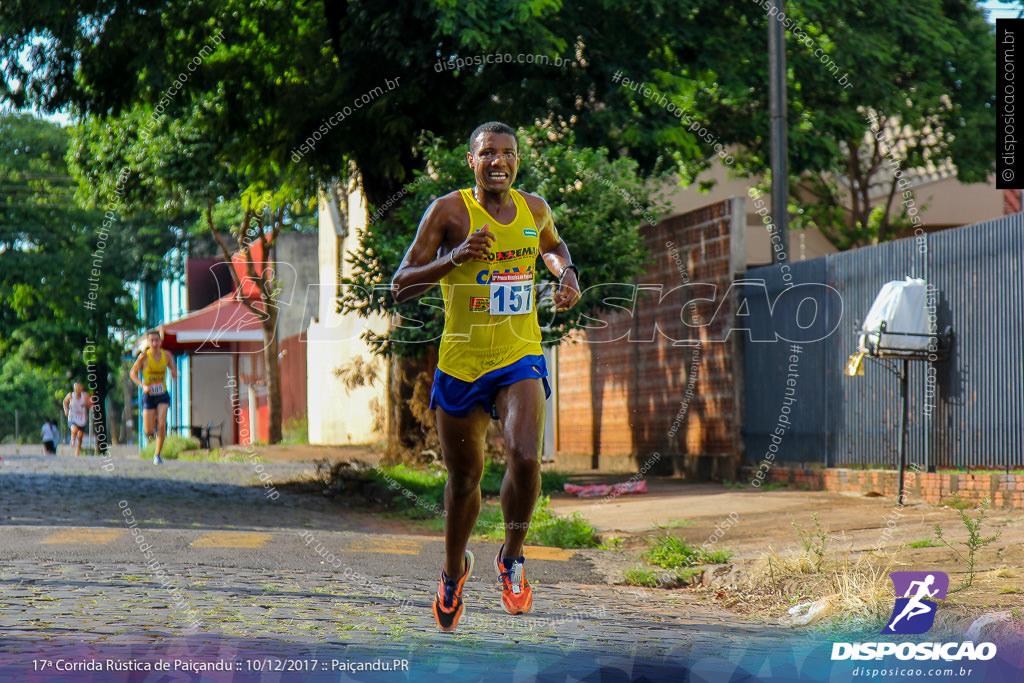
201	562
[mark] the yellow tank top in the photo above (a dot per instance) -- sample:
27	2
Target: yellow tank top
490	313
154	370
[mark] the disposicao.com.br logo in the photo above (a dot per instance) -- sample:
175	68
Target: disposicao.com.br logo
913	614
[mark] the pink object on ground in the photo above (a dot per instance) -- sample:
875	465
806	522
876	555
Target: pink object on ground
598	490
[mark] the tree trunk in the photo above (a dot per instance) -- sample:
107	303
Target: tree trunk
128	388
273	375
404	431
99	408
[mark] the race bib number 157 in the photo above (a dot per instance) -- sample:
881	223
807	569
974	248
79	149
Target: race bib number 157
511	293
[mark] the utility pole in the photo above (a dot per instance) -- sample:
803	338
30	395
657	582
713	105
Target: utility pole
779	155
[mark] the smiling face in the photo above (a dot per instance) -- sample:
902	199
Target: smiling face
495	161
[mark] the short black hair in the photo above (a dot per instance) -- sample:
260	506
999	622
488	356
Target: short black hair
492	127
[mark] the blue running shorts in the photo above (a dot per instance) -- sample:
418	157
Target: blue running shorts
460	398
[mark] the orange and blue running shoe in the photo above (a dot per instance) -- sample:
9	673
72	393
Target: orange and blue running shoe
447	605
516	594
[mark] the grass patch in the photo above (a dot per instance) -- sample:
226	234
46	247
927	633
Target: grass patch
546	528
674	524
649	578
671	552
173	446
613	543
295	431
925	543
957	503
220	455
1011	590
974	542
428	483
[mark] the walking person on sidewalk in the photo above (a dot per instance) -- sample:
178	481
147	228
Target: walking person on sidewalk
481	245
50	436
150	373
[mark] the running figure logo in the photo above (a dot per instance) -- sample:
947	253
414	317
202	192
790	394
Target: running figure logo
914	612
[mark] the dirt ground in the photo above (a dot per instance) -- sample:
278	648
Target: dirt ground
751	522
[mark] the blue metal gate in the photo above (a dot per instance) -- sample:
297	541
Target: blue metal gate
967	412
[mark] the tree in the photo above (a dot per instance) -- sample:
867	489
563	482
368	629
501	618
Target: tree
311	87
179	168
298	91
876	93
598	206
30	391
65	269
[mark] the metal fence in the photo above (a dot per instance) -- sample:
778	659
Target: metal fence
965	412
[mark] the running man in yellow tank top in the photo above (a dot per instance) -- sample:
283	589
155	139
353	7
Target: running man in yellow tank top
149	373
482	247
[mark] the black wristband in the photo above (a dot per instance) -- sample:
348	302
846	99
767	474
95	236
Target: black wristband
577	270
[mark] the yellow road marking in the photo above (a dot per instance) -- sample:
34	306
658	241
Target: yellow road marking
388	546
232	539
539	552
76	536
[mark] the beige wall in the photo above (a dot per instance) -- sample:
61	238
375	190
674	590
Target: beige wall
211	397
946	202
803	244
337	415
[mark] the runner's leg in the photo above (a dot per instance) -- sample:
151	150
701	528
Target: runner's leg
76	439
149	422
462	445
161	426
521	410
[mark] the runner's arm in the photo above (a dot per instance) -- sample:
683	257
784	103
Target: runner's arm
421	269
67	400
557	258
171	366
136	369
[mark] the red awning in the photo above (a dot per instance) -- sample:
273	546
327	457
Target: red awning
225	320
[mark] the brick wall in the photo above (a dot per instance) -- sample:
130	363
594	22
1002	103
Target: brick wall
623	388
1002	490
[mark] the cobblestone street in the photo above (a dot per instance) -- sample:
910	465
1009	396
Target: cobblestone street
145	562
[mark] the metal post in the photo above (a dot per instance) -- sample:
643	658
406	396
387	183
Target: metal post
17	434
904	413
777	105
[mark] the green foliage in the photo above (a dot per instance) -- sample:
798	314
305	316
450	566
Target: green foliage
974	542
814	542
611	543
34	393
65	300
924	69
924	543
957	503
597	215
296	430
650	578
927	64
674	524
546	528
671	552
174	445
428	482
315	60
